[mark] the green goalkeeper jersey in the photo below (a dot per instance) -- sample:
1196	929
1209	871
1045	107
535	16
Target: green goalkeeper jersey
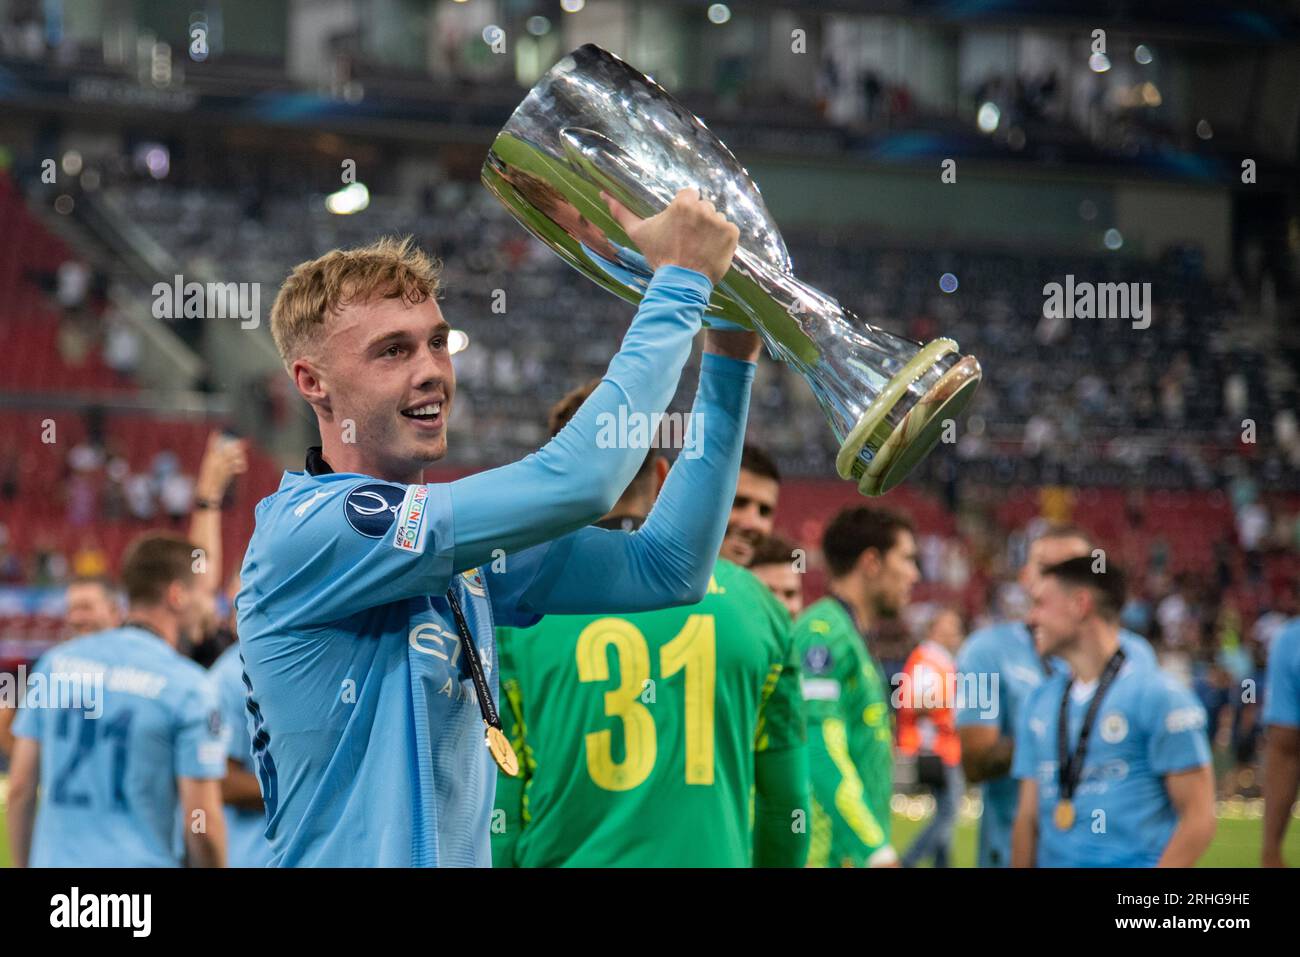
850	738
658	739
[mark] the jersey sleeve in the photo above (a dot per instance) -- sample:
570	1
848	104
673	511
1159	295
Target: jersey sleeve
30	722
1282	684
232	696
781	808
200	740
1175	724
781	791
1027	754
508	809
365	544
668	560
976	658
781	722
580	473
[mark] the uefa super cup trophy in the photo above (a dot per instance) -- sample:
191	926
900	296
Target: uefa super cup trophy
592	123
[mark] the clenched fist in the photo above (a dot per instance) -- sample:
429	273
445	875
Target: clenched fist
688	233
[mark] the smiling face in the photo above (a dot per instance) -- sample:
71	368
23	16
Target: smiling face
753	515
382	383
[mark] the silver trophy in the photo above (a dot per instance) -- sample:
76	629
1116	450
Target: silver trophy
592	123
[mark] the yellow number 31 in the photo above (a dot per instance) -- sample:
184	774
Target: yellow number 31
694	649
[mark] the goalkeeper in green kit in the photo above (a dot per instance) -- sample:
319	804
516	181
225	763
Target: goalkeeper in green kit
871	558
671	738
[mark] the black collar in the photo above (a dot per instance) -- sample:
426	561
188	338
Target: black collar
316	464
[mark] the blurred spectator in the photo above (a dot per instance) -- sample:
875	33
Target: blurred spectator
927	731
90	559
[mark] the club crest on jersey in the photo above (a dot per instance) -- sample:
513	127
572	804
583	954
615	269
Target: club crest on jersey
1114	728
817	660
474	583
371	508
412	526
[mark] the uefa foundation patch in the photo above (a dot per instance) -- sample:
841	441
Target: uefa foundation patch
412	529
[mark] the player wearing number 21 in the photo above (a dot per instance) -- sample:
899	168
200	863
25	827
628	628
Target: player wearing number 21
137	744
642	736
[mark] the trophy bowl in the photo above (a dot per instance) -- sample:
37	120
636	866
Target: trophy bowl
595	123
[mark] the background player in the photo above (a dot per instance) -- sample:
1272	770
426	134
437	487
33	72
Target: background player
643	736
987	729
117	786
871	556
91	606
1143	791
753	509
776	565
927	731
1282	742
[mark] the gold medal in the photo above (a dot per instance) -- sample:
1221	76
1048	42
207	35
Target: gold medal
1064	816
501	752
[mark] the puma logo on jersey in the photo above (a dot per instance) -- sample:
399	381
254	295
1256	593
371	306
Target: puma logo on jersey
301	510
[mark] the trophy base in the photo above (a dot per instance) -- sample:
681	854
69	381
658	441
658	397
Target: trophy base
919	430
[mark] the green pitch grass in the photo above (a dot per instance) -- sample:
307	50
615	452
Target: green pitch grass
1236	840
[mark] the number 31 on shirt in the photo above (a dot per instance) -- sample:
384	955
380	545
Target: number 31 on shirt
693	649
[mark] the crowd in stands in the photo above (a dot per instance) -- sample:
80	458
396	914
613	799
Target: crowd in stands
1183	403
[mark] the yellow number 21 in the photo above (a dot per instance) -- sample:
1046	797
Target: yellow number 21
694	649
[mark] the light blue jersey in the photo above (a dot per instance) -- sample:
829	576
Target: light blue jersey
367	735
245	827
146	717
1148	726
1282	688
1007	650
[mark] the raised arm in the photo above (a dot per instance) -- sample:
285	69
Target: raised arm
669	559
223	459
577	476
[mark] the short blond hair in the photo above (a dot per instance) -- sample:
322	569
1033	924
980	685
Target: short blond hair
390	268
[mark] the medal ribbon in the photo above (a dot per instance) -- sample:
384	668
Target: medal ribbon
1069	766
486	705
